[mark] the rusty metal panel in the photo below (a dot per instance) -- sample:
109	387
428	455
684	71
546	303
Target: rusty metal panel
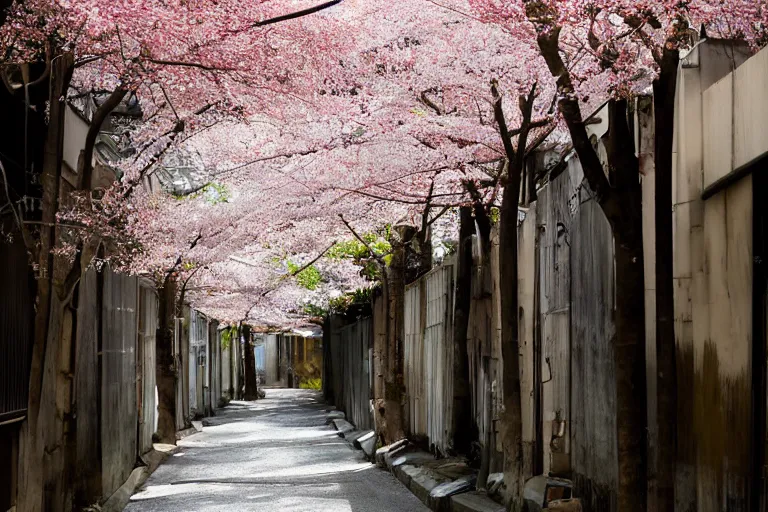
554	307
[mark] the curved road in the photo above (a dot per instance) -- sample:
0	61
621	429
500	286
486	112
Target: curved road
274	454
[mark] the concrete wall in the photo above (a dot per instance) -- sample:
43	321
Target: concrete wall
720	129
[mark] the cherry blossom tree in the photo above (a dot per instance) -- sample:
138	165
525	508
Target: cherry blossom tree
631	47
184	60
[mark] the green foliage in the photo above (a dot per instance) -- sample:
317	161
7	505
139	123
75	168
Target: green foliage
213	193
227	336
309	278
316	384
314	310
359	296
358	252
495	215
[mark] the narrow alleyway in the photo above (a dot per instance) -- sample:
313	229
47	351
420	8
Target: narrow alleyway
274	454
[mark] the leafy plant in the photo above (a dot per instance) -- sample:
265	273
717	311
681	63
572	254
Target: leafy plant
227	335
316	384
361	255
309	278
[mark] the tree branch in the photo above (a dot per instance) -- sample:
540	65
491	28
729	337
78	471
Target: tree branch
297	14
501	121
307	265
187	64
548	40
106	108
360	239
180	259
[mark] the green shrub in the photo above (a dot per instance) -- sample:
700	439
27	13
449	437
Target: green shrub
316	384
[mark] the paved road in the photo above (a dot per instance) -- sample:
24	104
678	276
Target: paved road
275	454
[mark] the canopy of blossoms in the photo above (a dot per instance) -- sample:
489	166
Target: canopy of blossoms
314	129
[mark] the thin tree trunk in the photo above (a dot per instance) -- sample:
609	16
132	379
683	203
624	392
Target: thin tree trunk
630	371
42	439
251	385
664	89
620	200
462	405
629	346
508	294
512	425
390	408
166	363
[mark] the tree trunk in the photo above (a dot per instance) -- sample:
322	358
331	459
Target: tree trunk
630	370
664	89
251	385
389	408
462	405
629	348
42	439
620	200
166	363
508	293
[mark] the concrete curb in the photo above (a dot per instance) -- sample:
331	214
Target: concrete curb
444	485
343	427
120	498
197	426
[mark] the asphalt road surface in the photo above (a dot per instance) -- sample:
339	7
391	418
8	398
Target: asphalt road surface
275	454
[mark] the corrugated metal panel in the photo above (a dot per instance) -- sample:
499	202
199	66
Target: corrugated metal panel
214	367
181	349
198	361
350	366
147	336
593	384
87	382
413	361
428	357
355	340
438	350
119	416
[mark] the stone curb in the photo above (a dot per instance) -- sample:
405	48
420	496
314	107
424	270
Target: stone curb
442	485
122	496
